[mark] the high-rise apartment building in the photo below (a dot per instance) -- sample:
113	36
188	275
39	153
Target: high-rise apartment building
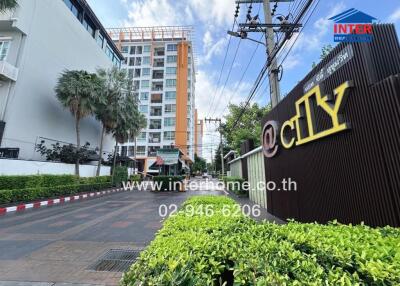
160	63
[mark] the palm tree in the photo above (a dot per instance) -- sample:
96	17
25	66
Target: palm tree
77	90
114	81
6	5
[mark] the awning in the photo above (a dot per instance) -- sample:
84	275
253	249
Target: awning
168	156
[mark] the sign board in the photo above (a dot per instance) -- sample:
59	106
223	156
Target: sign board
168	156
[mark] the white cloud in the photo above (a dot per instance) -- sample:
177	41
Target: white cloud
395	16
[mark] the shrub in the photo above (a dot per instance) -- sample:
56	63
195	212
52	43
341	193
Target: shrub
32	181
120	175
48	186
193	248
135	178
235	185
168	183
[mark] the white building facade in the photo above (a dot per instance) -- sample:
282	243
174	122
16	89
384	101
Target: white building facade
160	62
38	41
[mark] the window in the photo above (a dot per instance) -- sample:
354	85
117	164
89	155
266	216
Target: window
142	137
171	47
146	60
170	82
146	49
141	150
170	95
154	137
143	108
144	96
169	135
137	73
125	49
71	7
4	45
155	124
138	61
133	49
171	70
88	27
131	62
145	71
139	50
170	108
169	122
130	73
171	59
145	83
100	40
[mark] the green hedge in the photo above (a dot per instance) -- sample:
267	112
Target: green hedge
167	183
32	181
15	189
120	175
235	185
193	248
32	194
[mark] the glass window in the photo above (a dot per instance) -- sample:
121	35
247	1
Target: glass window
169	122
170	108
171	95
109	52
171	47
144	96
146	49
125	49
4	46
171	70
100	40
143	108
145	83
171	59
142	136
155	124
139	50
145	71
170	82
138	61
169	135
133	49
146	60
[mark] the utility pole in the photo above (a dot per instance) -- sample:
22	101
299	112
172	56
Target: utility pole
218	120
273	69
267	28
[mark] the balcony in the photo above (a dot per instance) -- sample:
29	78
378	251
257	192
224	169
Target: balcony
154	137
155	124
156	111
158	63
157	86
158	74
8	71
156	98
159	52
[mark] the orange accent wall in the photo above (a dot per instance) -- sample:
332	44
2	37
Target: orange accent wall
181	97
196	139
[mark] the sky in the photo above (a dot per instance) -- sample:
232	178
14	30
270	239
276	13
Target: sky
212	18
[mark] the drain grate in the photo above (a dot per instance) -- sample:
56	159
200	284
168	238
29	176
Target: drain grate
115	260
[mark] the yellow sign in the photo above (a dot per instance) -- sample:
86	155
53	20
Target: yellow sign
332	105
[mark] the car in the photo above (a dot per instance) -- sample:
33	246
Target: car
205	175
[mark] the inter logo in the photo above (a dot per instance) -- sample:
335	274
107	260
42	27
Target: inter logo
353	26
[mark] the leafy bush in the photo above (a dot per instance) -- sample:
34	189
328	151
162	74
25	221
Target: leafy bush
235	185
120	175
30	188
31	181
224	246
168	183
135	178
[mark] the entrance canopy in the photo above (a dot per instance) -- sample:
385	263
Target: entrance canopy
168	156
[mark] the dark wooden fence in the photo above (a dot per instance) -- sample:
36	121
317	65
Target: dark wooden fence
352	176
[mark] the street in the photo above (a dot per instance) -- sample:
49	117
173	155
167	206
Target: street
56	245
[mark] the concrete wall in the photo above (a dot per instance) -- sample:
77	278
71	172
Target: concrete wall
22	167
47	39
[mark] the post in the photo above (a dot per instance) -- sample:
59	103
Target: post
222	150
135	157
273	69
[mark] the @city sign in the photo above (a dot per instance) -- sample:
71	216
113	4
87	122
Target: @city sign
290	134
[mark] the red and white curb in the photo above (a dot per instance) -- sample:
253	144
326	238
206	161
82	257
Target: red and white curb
57	201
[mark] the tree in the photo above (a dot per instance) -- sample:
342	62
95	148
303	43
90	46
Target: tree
248	127
324	52
199	165
114	80
77	90
6	5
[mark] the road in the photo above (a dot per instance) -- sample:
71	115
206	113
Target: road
56	245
